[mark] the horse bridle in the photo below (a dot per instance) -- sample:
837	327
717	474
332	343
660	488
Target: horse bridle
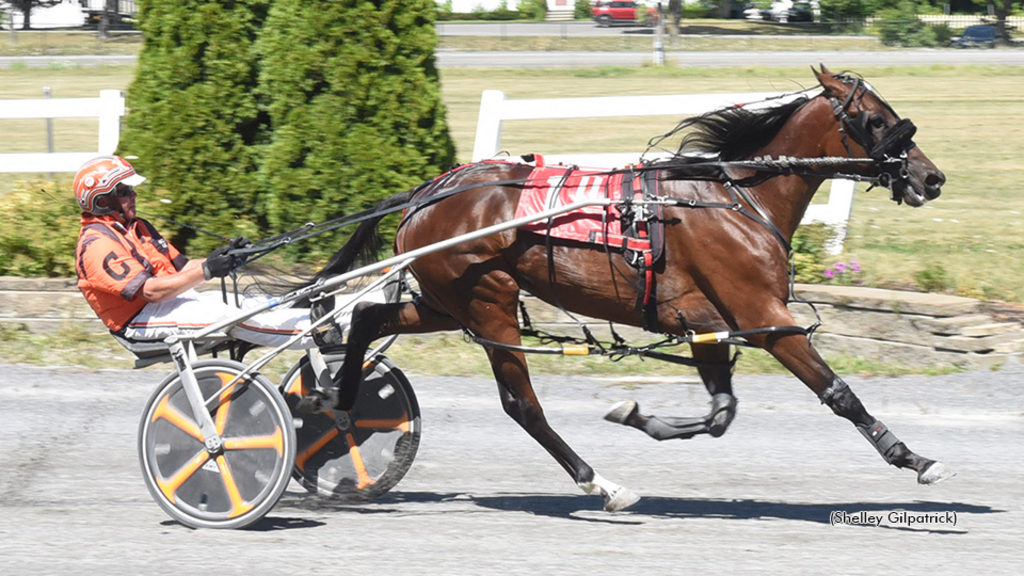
890	152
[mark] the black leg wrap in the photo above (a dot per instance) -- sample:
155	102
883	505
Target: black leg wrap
882	439
845	403
723	410
828	396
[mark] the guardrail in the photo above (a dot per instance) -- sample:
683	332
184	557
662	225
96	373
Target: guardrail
109	108
495	109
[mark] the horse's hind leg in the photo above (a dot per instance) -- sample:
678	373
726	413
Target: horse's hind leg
369	322
716	372
491	315
796	354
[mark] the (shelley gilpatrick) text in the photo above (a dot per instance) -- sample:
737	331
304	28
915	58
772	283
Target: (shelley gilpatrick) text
896	518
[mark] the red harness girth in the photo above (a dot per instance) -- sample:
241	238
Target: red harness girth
552	186
548	187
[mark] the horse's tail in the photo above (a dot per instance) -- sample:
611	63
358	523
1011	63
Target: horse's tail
365	241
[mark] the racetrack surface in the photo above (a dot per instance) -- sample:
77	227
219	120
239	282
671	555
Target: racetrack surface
483	498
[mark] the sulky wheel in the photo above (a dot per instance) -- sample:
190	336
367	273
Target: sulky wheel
232	487
360	454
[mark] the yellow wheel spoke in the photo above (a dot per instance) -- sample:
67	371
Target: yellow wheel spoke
171	485
357	463
297	387
396	424
274	441
177	418
238	506
224	406
308	453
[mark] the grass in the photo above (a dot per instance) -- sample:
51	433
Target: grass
968	242
437	355
65	43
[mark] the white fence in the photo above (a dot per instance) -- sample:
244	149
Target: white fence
963	21
495	109
109	108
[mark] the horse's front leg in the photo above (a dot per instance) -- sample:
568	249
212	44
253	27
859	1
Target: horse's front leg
796	354
716	371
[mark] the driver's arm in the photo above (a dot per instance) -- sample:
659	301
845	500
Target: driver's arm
165	287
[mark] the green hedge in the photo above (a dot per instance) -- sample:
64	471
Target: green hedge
256	116
355	109
194	121
38	230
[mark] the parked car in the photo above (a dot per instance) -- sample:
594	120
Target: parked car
619	12
790	12
976	37
783	11
752	12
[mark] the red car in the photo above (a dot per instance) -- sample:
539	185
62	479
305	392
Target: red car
617	12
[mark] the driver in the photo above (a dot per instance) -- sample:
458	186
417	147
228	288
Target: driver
142	288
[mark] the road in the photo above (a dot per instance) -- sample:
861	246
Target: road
483	498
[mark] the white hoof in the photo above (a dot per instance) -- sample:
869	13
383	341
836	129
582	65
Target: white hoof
620	500
621	411
615	497
934	474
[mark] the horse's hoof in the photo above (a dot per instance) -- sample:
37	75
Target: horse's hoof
316	402
622	411
620	500
934	474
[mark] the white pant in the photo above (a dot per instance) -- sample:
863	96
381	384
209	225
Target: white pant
194	311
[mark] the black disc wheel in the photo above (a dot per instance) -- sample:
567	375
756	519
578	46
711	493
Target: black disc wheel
363	453
230	487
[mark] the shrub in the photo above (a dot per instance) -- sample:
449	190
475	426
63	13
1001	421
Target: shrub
933	278
809	254
353	98
194	121
900	26
533	9
38	232
581	10
698	10
846	10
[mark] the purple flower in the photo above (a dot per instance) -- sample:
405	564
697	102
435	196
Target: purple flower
829	274
840	267
854	265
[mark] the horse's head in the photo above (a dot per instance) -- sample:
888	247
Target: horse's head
870	128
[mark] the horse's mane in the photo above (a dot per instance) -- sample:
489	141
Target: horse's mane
732	133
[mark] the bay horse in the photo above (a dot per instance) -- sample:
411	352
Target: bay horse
721	270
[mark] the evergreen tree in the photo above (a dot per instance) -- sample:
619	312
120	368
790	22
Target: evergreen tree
193	117
355	107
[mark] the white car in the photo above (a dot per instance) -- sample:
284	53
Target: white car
67	14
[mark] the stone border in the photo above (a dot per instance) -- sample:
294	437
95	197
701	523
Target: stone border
906	328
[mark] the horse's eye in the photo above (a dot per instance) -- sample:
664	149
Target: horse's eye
877	122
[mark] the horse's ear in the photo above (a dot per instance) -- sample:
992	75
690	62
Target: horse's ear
828	81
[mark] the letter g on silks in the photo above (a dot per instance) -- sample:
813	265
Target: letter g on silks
845	403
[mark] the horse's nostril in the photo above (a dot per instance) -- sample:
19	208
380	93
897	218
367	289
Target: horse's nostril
935	180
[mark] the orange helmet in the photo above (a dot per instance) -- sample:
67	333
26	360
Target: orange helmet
99	177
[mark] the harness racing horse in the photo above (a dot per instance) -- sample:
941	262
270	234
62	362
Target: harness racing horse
722	270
